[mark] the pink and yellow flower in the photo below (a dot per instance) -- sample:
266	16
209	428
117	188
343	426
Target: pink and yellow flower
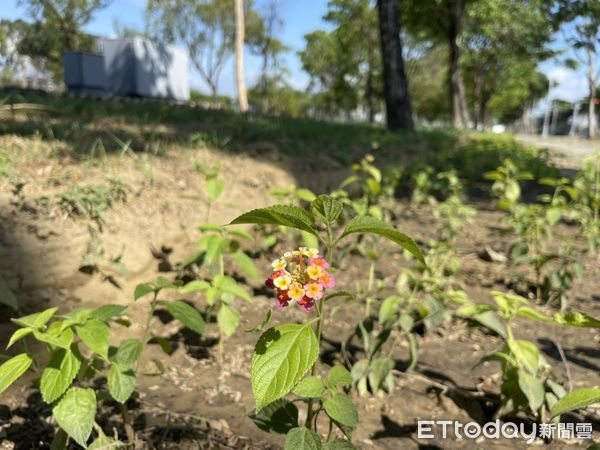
327	281
300	276
314	291
314	272
296	291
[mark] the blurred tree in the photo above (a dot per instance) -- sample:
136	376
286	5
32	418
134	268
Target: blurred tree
280	98
442	21
346	61
263	25
503	42
397	99
583	34
57	27
205	28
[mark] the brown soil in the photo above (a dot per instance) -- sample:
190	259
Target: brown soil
197	403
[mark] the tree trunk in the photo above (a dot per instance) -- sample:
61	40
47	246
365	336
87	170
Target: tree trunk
239	55
573	129
592	94
458	97
397	99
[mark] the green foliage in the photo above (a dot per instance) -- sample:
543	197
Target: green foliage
578	399
92	201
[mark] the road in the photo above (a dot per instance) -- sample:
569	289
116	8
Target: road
566	151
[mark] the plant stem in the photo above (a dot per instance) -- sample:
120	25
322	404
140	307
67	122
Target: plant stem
127	425
320	307
146	334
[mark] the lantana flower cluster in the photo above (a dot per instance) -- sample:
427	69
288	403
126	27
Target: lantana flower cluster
300	276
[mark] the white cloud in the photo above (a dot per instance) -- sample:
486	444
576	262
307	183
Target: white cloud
571	85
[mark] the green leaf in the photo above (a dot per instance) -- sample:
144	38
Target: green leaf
339	376
59	374
121	383
228	284
187	315
107	312
19	334
95	335
277	417
245	263
341	409
576	319
228	319
288	216
362	224
128	352
305	194
283	354
310	387
194	286
530	313
578	399
142	290
338	294
340	444
13	369
59	441
214	188
526	353
165	283
380	368
7	297
327	208
388	309
302	439
75	413
533	389
54	336
490	320
37	320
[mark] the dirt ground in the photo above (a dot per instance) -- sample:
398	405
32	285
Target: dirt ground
196	403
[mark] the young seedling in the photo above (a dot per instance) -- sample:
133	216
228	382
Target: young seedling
285	353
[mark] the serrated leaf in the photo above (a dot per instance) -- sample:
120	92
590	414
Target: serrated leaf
128	352
195	286
13	369
107	312
228	319
576	319
283	354
19	334
7	297
578	399
341	409
54	336
187	315
285	215
121	383
37	320
339	376
310	387
533	389
302	439
362	224
142	290
95	334
278	417
59	374
75	413
327	208
245	263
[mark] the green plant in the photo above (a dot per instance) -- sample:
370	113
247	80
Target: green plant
92	201
506	186
587	208
284	353
527	385
79	346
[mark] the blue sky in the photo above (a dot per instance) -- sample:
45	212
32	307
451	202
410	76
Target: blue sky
300	17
